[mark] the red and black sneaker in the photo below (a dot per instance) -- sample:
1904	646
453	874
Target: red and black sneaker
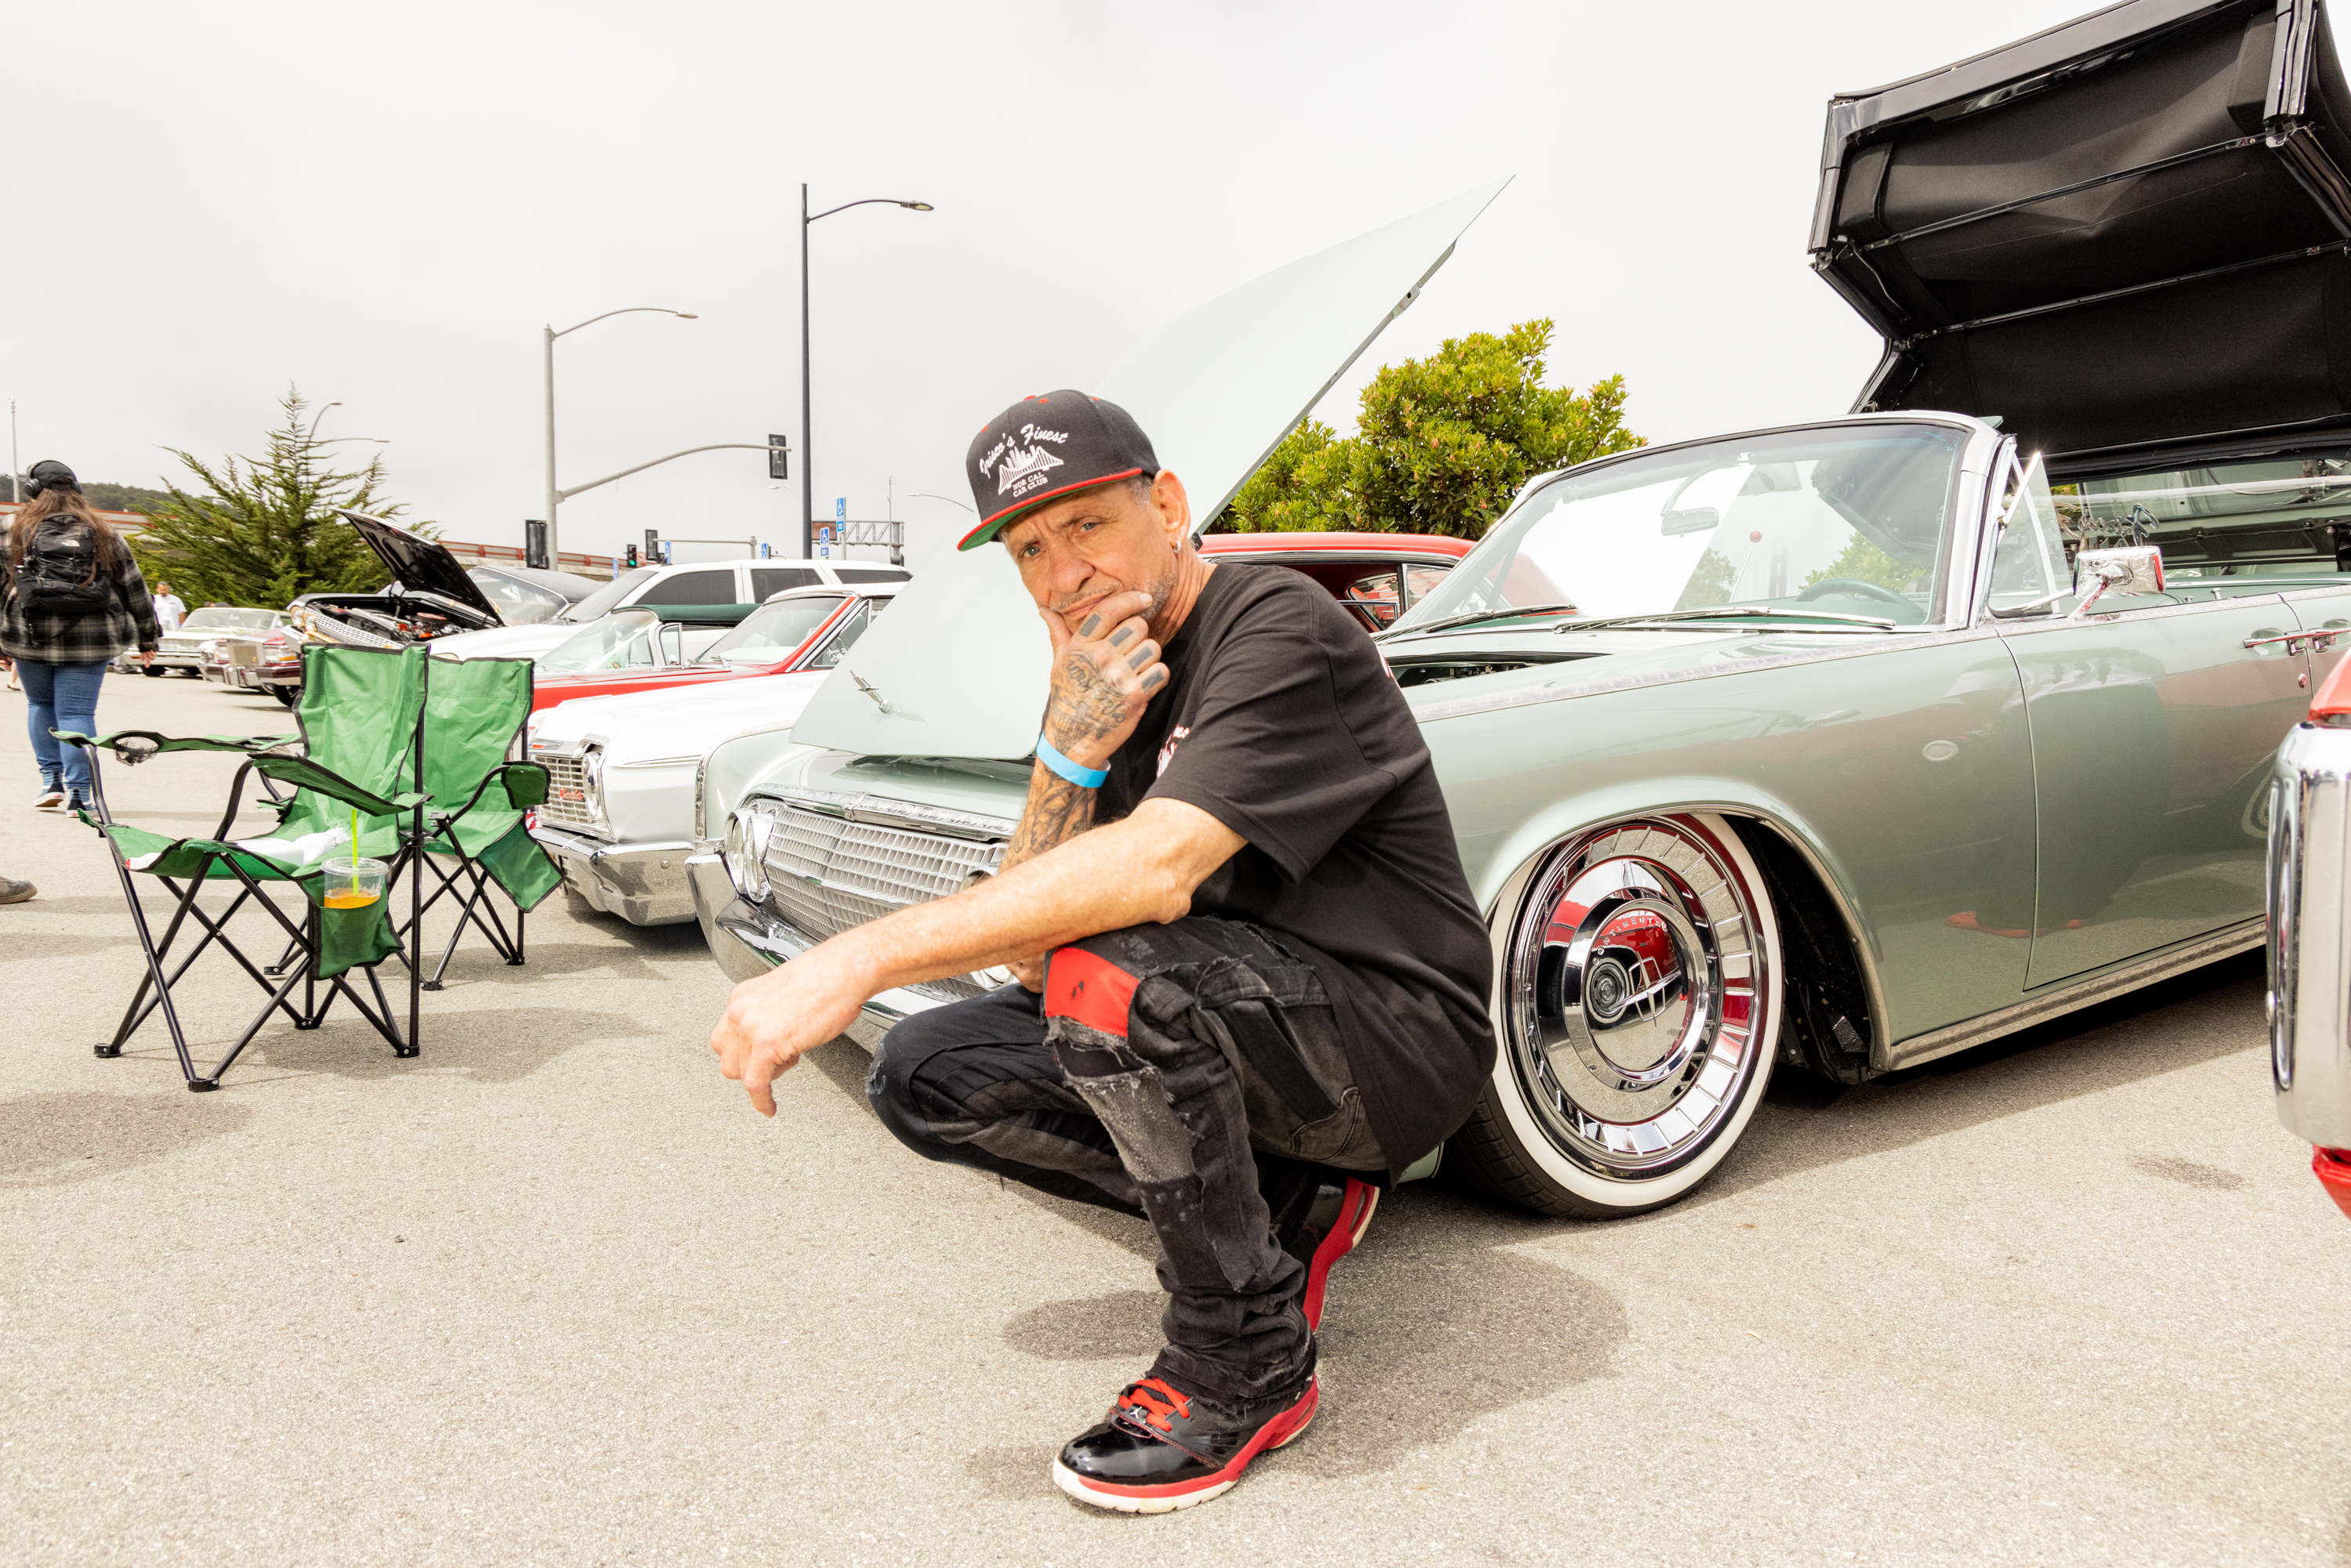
1331	1226
1161	1449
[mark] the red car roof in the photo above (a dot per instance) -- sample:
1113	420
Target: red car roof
1334	544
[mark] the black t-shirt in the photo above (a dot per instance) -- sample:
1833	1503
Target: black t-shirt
1280	720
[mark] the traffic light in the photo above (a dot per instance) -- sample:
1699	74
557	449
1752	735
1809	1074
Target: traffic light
632	557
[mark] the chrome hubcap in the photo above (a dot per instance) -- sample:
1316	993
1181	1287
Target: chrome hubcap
1635	992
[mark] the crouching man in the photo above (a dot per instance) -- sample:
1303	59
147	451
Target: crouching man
1252	978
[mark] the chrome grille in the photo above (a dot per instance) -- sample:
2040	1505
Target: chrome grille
828	873
566	793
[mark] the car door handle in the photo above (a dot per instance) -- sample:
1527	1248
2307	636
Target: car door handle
2295	639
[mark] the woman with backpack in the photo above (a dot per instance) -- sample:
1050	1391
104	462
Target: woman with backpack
70	599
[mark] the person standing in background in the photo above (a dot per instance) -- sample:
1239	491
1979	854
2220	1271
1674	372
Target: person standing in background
169	611
70	599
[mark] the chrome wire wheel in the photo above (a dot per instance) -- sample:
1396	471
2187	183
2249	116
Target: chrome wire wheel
1637	1006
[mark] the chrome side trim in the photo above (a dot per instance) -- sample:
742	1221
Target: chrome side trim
2310	965
2073	995
2168	611
1564	691
885	811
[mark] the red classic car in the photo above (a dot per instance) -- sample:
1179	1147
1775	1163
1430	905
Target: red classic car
1377	576
796	630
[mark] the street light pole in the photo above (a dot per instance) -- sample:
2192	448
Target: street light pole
554	495
553	499
808	468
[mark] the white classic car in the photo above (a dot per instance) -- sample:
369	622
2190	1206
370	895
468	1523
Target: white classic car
624	777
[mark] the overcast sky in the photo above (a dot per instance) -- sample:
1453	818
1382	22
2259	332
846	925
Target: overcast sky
384	205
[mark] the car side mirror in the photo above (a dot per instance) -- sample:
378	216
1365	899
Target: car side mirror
1690	520
2138	570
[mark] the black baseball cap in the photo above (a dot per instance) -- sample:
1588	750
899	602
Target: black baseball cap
1044	448
48	474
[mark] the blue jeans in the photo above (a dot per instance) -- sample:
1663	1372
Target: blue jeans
61	696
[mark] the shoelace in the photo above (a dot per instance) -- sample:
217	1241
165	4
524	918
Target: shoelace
1140	1396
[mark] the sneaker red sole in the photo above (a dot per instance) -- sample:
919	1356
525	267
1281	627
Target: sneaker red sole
1354	1218
1283	1429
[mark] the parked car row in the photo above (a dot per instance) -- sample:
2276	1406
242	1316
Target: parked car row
647	621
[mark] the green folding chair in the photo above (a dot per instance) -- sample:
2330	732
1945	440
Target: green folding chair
360	751
474	716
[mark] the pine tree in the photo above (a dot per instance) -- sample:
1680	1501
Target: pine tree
263	530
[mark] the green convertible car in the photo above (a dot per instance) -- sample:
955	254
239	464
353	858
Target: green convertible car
1835	748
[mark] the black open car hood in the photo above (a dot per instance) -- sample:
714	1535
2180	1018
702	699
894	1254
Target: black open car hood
419	563
2126	230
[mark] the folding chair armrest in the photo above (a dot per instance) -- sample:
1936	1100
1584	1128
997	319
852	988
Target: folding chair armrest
525	786
305	774
136	745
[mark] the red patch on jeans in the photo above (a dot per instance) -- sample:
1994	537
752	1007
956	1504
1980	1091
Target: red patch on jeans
1093	990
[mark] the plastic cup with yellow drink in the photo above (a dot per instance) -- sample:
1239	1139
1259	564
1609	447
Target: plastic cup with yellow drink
353	883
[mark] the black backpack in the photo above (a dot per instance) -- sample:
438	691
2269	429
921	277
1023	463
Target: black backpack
60	575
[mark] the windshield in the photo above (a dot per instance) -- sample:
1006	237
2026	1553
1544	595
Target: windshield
600	602
621	641
517	604
1846	521
769	634
221	617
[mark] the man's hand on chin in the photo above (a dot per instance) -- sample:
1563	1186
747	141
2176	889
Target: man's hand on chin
772	1021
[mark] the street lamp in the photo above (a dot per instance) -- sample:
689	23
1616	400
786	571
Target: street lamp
807	469
554	495
310	437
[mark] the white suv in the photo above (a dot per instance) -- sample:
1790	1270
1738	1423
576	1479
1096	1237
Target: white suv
741	583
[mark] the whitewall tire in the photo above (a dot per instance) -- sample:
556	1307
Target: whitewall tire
1637	988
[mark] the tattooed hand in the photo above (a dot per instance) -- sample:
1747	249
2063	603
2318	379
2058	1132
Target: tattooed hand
1106	669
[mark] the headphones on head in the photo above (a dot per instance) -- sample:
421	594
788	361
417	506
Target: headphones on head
49	475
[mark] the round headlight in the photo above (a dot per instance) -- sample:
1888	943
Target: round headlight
746	853
591	778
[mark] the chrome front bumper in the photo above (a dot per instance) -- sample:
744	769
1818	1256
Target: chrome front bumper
748	944
252	677
2310	935
644	885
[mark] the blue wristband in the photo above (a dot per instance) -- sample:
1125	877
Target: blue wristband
1083	778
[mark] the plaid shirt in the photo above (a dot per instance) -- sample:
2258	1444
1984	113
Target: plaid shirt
128	622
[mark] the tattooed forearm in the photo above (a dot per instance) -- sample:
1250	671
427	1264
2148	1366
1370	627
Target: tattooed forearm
1058	811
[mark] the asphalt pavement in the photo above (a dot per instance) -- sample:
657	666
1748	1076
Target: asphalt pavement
553	1293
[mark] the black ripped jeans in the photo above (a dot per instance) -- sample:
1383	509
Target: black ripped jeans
1190	1073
